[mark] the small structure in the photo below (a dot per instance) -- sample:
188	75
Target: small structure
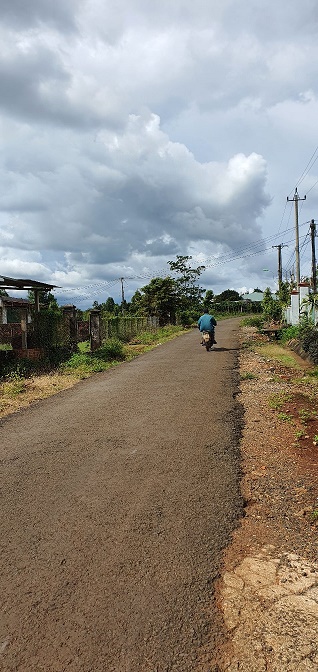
13	284
19	309
254	297
11	309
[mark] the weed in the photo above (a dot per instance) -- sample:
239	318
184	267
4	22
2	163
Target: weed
314	514
315	441
253	321
304	415
284	417
276	401
299	434
14	386
111	350
289	333
248	376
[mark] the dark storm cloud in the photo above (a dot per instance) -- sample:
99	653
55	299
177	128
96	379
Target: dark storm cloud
21	14
36	86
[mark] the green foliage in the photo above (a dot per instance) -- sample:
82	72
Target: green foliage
5	346
308	337
289	333
160	335
112	349
189	294
284	293
47	300
271	307
19	368
109	308
187	317
14	385
228	295
285	417
158	298
85	363
278	400
253	321
208	300
248	376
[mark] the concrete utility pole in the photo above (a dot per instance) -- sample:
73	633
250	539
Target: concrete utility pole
313	255
280	270
296	199
122	295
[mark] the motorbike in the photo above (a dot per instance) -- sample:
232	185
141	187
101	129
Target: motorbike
207	340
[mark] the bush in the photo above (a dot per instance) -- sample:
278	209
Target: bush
84	365
290	333
308	336
111	350
253	321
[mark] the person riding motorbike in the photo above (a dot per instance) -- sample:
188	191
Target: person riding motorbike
207	323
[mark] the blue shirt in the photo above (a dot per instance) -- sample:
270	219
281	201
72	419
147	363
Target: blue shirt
206	322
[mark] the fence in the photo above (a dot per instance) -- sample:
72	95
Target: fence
126	328
51	331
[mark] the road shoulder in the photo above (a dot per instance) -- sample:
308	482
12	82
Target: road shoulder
268	593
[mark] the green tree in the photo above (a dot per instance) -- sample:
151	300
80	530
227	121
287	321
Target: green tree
110	305
208	299
47	300
271	307
189	293
228	295
158	298
284	293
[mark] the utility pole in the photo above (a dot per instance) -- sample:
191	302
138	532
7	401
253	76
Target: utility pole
296	199
122	295
280	270
313	255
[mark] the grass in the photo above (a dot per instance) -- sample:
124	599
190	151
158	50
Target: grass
304	415
280	354
248	376
276	401
299	434
285	417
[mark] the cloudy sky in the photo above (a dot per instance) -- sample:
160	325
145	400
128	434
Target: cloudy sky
133	131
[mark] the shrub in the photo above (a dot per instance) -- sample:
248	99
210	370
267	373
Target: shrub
111	350
253	321
289	333
308	336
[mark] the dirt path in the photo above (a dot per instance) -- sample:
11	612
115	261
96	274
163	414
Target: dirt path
117	498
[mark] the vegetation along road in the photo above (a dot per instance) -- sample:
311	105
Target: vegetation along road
117	499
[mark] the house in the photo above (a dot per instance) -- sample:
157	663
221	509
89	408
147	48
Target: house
255	297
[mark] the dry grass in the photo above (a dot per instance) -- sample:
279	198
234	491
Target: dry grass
20	393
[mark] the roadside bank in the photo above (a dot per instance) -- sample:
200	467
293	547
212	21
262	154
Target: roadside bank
268	593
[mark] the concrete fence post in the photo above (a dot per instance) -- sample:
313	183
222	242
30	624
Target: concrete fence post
94	329
70	322
24	329
294	314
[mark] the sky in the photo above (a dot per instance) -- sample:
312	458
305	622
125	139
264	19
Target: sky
134	131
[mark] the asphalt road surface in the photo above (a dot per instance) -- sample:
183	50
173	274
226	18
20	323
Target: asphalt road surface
117	498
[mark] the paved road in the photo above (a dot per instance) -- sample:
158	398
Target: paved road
117	497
